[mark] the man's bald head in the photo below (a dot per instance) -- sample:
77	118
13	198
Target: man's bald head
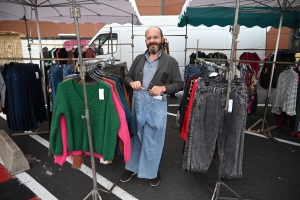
154	27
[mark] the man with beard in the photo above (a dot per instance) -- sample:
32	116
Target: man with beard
152	75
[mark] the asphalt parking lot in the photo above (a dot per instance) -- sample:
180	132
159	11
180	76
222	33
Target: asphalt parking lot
270	171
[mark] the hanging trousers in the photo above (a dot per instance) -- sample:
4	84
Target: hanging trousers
58	73
206	129
150	115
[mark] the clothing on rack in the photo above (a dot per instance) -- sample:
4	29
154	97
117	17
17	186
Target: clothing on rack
2	90
286	93
184	125
249	71
104	119
24	99
193	56
126	126
265	75
71	55
217	56
205	128
123	134
89	53
192	72
45	53
62	54
249	75
57	74
251	56
56	53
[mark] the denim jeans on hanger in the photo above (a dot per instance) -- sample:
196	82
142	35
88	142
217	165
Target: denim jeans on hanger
67	70
235	127
11	75
56	77
26	109
206	128
204	125
150	115
191	70
37	95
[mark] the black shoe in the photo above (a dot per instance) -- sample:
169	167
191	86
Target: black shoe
155	182
126	176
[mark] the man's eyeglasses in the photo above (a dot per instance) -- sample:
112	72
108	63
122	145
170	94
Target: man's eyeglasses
155	37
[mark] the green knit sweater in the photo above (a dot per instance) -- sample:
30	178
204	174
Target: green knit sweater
104	119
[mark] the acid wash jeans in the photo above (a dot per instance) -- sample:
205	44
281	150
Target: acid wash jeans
206	129
150	115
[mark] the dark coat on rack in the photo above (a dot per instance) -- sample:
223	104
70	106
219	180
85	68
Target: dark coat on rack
283	56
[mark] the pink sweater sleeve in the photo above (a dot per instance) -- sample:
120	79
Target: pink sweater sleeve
64	135
123	131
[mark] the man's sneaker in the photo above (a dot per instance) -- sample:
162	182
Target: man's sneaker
126	176
154	182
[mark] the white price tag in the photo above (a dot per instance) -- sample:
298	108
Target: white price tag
230	103
37	75
158	97
101	94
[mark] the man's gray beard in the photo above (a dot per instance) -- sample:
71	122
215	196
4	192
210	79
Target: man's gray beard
155	50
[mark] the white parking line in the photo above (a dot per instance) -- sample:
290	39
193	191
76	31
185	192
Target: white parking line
3	116
174	104
42	193
172	114
280	140
88	171
33	185
259	135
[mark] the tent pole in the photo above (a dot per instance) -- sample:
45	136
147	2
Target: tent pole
27	36
132	37
111	40
230	77
43	69
41	50
185	44
266	131
94	192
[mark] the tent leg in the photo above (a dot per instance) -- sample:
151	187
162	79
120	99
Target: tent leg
266	132
95	189
41	51
224	136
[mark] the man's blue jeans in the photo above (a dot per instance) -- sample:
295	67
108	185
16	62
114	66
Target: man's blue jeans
150	115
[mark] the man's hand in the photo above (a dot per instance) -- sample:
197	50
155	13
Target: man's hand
157	90
136	85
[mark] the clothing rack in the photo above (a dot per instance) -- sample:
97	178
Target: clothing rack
37	131
92	64
229	77
75	13
265	128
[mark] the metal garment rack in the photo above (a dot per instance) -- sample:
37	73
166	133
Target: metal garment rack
219	183
75	13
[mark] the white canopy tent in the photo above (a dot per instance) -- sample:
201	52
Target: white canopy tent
94	11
